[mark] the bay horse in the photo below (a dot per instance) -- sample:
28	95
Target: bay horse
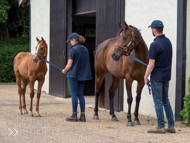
29	68
111	56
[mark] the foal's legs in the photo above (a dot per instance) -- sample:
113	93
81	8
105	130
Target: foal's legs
129	82
40	83
20	91
25	82
138	98
31	95
115	84
98	85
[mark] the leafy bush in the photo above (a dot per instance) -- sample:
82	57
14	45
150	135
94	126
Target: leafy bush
185	113
8	50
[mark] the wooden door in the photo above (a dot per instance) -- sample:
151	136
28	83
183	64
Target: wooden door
108	14
58	31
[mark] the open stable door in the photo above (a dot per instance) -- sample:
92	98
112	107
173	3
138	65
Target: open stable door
108	14
58	31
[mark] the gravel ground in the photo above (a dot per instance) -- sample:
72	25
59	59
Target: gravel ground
52	127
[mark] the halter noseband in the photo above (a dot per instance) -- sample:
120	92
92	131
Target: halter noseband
131	42
41	56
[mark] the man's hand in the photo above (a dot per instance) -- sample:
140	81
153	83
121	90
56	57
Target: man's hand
146	81
149	69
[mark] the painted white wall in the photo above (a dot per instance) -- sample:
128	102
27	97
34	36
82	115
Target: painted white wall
40	27
188	42
141	14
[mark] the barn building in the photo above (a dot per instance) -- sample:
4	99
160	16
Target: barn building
97	20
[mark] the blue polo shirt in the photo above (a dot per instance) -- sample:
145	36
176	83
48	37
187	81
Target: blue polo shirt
81	68
161	51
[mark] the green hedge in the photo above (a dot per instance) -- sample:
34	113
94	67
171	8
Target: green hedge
185	113
8	50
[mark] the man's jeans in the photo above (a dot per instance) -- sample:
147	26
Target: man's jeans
76	88
160	97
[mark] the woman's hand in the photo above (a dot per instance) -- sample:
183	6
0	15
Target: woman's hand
68	66
64	71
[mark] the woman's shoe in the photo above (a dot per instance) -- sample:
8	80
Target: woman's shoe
73	118
82	118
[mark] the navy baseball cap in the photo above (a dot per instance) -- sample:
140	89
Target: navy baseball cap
157	24
73	35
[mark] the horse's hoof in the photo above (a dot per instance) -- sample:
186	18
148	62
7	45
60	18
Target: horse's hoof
20	113
137	123
26	112
130	124
114	119
38	116
30	115
95	117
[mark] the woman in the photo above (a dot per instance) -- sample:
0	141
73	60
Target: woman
77	70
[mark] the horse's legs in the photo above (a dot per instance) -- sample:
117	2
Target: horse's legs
129	82
25	82
31	95
40	83
20	91
98	85
115	84
138	98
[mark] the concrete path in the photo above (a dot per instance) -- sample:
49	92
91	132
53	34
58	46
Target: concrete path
51	127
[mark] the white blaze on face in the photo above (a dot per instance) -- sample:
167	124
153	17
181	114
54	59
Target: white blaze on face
37	48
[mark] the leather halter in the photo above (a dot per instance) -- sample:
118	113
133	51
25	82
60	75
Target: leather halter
41	56
131	42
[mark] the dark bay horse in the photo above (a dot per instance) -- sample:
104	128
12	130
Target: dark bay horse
111	57
28	67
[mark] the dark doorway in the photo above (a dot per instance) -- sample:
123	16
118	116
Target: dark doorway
85	26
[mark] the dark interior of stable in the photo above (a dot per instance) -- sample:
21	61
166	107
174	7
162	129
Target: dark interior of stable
85	25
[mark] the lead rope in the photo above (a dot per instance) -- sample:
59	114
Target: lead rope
136	59
51	64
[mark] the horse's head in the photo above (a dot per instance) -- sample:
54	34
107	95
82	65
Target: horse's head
41	50
125	43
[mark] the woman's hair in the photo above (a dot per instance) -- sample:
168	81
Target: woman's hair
81	39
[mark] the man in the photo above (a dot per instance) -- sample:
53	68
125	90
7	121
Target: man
160	60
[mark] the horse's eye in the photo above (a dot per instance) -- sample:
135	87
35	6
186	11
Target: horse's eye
124	38
41	48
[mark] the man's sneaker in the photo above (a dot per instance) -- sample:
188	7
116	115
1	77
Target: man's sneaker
73	118
82	118
158	130
170	129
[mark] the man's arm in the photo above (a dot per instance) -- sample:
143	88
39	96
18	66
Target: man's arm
149	69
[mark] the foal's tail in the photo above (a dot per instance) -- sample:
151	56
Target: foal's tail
102	96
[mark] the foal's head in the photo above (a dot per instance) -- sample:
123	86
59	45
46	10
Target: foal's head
41	50
125	43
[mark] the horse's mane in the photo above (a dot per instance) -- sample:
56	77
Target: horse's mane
137	31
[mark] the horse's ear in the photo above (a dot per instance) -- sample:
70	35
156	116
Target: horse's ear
126	25
37	39
43	39
120	25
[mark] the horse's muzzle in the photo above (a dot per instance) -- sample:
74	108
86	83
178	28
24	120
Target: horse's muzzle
115	57
35	59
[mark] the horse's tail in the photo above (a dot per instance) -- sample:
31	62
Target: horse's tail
102	96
